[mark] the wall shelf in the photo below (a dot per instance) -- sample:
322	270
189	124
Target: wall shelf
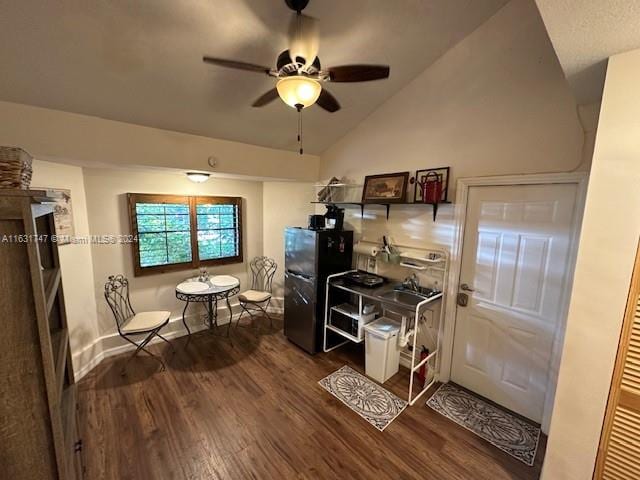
382	204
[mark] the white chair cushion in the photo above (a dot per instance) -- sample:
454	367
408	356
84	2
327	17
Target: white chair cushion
254	296
145	321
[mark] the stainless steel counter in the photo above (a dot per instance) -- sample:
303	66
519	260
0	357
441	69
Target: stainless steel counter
379	294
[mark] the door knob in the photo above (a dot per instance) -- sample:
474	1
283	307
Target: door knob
463	299
466	288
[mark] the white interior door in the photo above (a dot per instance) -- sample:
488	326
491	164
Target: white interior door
515	258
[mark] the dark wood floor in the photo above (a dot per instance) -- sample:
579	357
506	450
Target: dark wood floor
252	408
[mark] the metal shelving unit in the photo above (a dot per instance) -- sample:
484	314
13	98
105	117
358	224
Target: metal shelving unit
411	324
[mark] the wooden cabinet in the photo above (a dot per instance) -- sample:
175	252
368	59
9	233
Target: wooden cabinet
38	410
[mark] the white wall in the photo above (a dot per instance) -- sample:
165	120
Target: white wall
100	209
501	82
497	103
67	137
99	205
75	259
108	215
610	233
285	204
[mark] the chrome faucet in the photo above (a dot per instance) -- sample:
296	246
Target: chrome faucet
412	283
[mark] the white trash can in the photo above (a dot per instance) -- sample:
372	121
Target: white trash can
382	353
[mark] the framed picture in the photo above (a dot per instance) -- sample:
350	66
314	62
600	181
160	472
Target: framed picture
428	174
386	188
63	216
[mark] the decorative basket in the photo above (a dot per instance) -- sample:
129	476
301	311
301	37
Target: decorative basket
15	168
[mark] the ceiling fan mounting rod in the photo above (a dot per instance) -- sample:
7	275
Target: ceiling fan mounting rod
297	5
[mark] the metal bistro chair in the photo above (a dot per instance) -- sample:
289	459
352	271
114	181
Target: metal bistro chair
130	323
258	298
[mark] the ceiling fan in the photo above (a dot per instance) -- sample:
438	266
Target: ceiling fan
300	76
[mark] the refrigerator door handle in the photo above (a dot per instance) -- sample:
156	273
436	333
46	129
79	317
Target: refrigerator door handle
299	276
300	297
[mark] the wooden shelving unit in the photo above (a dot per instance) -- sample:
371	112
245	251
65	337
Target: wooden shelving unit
386	205
51	281
39	436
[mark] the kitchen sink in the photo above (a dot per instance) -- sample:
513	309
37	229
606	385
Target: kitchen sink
422	291
403	297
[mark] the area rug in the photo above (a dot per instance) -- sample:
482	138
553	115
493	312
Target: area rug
375	404
509	433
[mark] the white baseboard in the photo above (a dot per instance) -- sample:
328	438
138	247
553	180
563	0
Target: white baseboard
112	344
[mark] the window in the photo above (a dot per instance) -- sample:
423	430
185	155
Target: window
179	232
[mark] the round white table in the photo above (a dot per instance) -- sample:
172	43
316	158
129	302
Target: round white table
220	287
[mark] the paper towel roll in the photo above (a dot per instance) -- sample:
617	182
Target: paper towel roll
366	249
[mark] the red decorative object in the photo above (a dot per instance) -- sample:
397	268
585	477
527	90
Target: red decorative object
422	371
431	185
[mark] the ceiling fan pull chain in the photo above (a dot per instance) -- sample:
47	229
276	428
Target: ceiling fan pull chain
299	108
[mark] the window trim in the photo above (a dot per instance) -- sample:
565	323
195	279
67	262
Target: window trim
192	201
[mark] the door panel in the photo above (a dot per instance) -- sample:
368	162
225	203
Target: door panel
479	344
300	250
300	310
487	265
517	371
515	258
531	269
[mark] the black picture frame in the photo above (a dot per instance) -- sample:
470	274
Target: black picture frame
385	188
442	172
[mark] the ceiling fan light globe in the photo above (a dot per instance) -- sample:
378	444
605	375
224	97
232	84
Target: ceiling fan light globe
299	90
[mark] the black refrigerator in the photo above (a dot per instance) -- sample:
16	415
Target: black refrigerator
311	256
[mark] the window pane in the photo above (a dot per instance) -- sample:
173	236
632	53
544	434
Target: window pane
227	221
179	244
164	235
176	223
149	208
151	223
153	249
229	244
208	245
207	208
206	222
217	231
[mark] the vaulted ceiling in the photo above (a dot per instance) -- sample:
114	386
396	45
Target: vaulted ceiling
585	33
141	61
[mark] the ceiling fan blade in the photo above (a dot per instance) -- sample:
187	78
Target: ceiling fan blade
328	101
358	73
251	67
268	97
